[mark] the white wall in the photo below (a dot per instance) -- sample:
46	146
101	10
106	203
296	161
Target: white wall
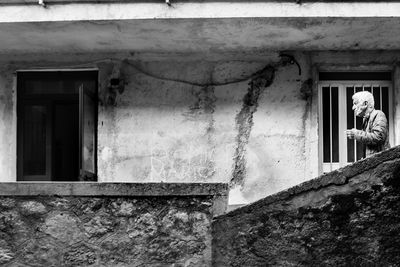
176	120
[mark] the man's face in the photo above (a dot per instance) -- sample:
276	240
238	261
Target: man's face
359	107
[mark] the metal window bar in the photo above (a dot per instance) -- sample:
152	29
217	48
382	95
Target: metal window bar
330	128
332	141
376	88
355	125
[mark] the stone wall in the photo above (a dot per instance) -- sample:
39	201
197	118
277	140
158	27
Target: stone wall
350	217
108	226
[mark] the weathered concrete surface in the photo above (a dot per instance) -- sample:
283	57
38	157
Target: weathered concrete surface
192	121
245	123
41	229
177	120
8	129
279	136
218	191
203	34
112	189
135	10
349	217
183	118
33	2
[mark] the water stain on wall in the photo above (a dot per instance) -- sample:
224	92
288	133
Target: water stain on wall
244	120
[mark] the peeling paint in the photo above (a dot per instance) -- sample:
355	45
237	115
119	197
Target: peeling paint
7	106
306	94
204	106
306	89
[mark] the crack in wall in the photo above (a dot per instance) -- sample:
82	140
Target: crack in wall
244	120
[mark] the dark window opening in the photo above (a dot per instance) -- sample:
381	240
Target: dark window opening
326	121
56	126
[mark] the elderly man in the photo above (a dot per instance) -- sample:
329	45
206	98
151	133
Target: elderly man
374	133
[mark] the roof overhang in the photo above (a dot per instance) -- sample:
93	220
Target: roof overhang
199	27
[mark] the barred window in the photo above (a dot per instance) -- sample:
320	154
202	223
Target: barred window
336	114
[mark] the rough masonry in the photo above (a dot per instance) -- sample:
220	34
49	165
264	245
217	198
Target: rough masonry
349	217
173	229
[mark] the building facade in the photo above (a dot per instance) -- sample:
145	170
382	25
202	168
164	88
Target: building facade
254	94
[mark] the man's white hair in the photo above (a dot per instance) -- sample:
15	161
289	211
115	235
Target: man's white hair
365	96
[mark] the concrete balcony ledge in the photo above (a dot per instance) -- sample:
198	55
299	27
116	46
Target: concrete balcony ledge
112	189
220	27
35	2
125	11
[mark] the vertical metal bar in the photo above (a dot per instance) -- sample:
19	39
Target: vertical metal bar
355	123
342	125
81	110
372	90
330	124
320	132
380	93
390	115
20	130
49	141
96	122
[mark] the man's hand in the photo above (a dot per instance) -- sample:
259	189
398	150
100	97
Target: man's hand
350	133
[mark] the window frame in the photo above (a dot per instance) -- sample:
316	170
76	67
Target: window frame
21	97
341	84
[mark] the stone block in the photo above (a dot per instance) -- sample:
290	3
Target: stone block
79	255
40	252
63	227
99	225
32	208
7	203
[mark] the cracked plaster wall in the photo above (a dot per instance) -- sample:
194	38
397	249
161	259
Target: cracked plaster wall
8	159
178	120
187	122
